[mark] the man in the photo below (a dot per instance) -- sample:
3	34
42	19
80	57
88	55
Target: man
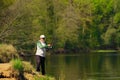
40	54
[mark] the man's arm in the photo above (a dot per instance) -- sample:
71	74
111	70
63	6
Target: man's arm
41	46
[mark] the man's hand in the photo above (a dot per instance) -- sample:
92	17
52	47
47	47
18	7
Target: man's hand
49	45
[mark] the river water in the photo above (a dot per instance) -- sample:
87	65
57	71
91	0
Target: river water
86	66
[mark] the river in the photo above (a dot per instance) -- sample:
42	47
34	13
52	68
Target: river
86	66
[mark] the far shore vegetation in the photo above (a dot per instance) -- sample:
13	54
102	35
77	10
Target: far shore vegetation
69	25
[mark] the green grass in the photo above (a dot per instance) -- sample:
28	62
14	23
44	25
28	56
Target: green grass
43	78
105	51
17	65
28	67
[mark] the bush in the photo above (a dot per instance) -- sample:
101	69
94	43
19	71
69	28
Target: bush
7	52
17	69
28	67
17	65
21	68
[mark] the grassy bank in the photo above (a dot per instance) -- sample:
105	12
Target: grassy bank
20	70
13	68
105	51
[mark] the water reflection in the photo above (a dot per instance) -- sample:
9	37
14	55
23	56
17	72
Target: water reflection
92	66
96	66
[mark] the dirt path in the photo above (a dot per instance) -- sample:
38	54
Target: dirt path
5	71
4	66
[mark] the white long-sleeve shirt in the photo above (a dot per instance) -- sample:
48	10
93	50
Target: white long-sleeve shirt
41	49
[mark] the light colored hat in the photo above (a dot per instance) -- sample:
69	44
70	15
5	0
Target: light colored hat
42	36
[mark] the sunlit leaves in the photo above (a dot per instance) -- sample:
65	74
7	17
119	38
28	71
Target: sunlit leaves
6	3
83	23
111	33
117	18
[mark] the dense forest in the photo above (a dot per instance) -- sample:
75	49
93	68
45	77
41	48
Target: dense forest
74	25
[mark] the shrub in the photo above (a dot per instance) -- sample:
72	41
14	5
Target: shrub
17	69
20	68
17	65
28	67
7	52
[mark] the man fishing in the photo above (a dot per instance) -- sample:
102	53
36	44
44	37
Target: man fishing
40	54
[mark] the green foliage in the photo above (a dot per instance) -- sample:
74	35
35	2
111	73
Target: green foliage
21	66
86	24
117	18
6	3
28	67
109	36
17	65
43	78
7	52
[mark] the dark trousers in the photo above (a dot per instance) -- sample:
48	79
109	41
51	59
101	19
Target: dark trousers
40	64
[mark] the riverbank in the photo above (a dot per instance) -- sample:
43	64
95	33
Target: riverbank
106	51
6	73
